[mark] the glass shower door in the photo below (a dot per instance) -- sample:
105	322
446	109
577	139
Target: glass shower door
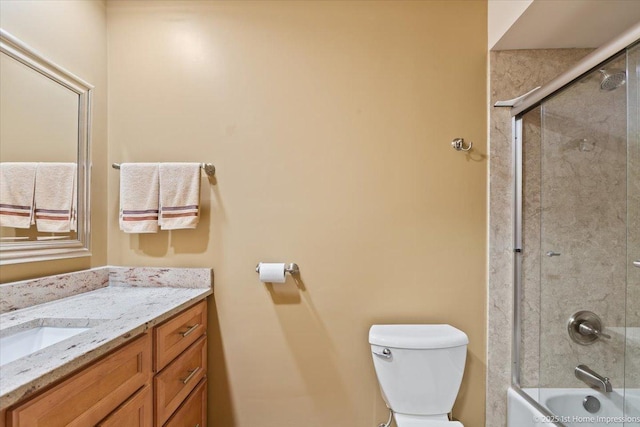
583	242
632	351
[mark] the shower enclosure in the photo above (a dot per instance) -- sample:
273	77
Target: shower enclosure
577	243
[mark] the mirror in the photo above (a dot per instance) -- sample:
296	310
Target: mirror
44	119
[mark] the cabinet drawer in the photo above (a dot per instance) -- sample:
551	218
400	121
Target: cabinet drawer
91	394
193	411
175	382
176	334
135	412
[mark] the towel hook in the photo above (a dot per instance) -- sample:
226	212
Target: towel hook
458	145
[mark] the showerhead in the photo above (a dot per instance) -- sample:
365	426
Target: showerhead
612	79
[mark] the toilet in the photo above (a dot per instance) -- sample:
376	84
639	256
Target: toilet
419	369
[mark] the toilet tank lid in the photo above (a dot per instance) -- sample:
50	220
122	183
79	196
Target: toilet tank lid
417	336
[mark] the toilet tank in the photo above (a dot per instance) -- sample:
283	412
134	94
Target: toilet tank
421	372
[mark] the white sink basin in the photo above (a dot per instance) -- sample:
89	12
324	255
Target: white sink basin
29	341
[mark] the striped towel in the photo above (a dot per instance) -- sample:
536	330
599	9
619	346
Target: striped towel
139	197
179	195
55	197
17	185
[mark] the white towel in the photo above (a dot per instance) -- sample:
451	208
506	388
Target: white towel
139	197
17	184
55	197
179	195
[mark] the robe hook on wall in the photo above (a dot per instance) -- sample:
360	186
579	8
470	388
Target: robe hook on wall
458	145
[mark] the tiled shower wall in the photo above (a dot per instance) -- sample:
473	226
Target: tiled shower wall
512	73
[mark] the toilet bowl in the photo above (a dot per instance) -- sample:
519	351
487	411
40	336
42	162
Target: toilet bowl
419	370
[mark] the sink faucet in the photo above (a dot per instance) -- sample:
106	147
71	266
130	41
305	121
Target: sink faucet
592	378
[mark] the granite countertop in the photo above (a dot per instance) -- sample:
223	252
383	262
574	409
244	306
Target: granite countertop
129	302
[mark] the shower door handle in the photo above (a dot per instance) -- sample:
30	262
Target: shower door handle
636	263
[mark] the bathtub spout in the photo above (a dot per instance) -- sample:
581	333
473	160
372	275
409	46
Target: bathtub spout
593	379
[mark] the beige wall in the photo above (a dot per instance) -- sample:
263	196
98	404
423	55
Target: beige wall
73	35
330	124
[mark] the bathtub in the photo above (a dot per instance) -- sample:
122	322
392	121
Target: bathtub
565	404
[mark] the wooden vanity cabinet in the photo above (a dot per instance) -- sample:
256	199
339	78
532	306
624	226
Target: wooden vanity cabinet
87	397
193	412
173	336
180	361
135	412
158	379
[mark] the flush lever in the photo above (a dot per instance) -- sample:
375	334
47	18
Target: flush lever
386	353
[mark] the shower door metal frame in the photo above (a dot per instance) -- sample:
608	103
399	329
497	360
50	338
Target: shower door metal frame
519	106
517	141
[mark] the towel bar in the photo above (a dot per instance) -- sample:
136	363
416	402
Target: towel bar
209	168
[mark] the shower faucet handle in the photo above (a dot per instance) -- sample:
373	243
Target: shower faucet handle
586	328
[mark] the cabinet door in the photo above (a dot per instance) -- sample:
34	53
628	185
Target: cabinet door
175	382
88	396
176	334
135	412
193	412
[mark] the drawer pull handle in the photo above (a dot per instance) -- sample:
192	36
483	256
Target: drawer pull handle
191	329
192	372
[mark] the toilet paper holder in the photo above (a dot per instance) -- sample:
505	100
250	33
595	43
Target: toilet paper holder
291	268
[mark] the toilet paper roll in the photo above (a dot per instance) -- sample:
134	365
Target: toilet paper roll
272	272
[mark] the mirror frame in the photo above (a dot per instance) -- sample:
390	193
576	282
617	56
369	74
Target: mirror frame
19	252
